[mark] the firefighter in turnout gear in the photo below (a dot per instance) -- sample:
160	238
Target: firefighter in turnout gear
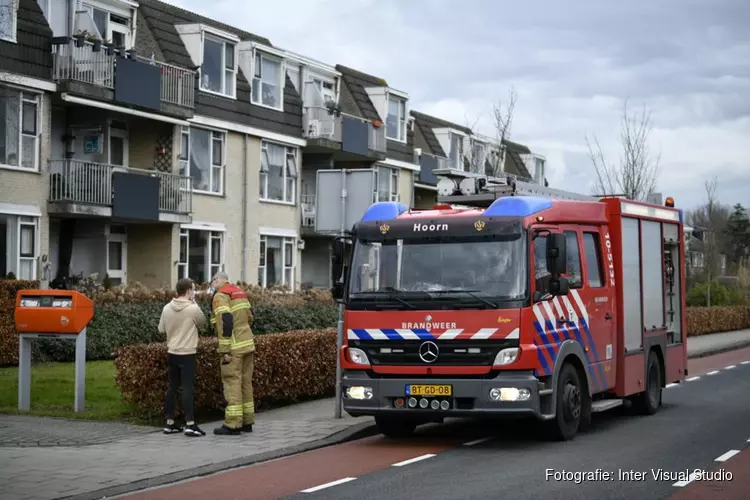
232	318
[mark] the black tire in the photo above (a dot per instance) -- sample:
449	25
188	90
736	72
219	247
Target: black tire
395	427
649	401
572	399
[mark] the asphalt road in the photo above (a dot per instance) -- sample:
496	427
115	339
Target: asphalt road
704	423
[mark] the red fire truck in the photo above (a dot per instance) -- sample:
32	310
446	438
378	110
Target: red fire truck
508	298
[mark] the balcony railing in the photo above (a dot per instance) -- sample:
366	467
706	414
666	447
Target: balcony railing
177	84
90	183
376	140
95	64
318	123
308	210
83	64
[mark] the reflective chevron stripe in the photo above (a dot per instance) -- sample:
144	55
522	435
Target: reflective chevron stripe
411	334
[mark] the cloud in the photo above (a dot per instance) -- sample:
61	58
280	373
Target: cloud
572	63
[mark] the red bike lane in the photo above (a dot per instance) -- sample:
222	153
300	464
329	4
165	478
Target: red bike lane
729	481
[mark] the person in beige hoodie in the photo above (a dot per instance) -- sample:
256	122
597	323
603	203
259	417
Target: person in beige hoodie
181	320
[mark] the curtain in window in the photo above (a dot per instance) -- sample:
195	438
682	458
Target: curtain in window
10	128
276	164
384	184
200	158
274	261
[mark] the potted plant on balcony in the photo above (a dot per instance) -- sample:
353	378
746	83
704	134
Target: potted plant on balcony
95	40
109	47
80	37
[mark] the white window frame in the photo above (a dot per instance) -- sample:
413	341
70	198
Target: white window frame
33	223
258	99
214	37
393	184
220	170
183	266
109	9
288	245
401	118
290	179
31	98
11	5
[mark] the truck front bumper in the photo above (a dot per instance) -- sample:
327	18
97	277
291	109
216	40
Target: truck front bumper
469	398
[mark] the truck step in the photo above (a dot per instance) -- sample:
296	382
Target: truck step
545	392
605	404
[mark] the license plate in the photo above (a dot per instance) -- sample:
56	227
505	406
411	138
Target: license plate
429	390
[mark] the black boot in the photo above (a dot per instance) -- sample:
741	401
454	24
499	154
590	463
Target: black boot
247	428
226	431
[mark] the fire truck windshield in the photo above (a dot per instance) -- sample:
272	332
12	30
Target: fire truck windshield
465	269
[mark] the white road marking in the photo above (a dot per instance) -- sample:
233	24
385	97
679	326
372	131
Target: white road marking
328	485
670	385
730	367
745	362
412	460
692	378
693	476
726	456
477	441
713	372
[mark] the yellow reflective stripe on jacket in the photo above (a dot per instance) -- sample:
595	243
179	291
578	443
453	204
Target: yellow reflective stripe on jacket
237	307
222	309
243	344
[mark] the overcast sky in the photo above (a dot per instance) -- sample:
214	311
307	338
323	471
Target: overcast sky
572	66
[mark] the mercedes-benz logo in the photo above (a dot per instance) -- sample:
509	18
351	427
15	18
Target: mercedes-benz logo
428	352
428	318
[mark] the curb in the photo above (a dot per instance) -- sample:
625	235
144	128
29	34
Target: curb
740	344
356	431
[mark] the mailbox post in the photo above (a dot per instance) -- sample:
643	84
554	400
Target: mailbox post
51	314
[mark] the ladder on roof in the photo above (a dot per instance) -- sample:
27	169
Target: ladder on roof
457	187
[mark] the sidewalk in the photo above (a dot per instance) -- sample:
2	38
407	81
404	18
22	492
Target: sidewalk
43	458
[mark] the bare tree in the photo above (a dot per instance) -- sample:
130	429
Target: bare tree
491	158
636	175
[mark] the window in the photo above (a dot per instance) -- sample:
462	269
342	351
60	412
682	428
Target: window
593	259
112	27
395	125
574	259
19	129
18	246
276	263
201	254
278	172
326	89
218	73
202	154
268	82
457	151
386	185
8	20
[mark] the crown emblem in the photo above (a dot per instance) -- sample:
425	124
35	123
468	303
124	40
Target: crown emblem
384	228
479	225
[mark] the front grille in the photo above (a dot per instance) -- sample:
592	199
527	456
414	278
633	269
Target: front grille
452	352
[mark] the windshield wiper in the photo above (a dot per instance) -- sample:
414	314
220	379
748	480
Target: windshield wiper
391	291
472	293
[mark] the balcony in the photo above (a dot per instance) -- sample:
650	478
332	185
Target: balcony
308	210
354	137
103	72
97	189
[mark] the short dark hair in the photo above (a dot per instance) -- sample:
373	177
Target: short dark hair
184	285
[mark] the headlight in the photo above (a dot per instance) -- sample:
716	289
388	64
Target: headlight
357	392
509	394
358	356
506	356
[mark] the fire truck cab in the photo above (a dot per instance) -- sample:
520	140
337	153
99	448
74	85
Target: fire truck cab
509	298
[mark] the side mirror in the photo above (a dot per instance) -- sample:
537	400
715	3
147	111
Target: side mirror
559	286
557	257
337	291
338	268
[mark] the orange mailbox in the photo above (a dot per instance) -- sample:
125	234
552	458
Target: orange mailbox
52	311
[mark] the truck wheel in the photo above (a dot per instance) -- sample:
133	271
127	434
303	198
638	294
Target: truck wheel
395	427
649	401
571	403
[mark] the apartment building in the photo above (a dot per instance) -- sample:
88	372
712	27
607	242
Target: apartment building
353	120
443	144
142	142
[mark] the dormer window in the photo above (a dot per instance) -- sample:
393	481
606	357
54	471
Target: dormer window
395	125
111	26
268	81
218	72
8	20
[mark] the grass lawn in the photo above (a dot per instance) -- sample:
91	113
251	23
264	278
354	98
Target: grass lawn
53	387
